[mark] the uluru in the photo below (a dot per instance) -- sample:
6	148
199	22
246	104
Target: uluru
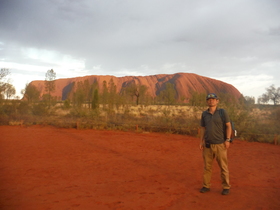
184	84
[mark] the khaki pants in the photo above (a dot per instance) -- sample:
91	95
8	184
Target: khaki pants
218	152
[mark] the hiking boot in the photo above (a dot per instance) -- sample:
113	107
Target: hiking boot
204	190
225	192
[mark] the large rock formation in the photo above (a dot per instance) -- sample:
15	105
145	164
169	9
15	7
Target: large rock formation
184	84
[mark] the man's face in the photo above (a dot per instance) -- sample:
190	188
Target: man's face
212	102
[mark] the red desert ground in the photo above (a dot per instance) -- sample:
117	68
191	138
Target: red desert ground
53	168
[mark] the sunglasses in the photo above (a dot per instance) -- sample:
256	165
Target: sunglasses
211	96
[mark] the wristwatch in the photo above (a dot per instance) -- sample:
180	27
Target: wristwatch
228	139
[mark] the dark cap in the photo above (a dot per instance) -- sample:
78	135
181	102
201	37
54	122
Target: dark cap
211	95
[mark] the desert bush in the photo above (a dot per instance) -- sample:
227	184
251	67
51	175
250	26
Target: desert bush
252	124
24	107
275	116
16	122
40	109
66	104
4	119
78	112
8	109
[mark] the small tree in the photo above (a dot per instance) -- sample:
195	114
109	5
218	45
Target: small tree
94	95
95	100
247	102
79	96
112	88
272	94
50	84
197	99
168	95
105	94
3	73
31	93
86	88
9	90
82	93
136	90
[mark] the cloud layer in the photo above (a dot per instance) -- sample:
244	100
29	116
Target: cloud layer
234	41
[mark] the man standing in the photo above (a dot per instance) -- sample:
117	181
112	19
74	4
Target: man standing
215	140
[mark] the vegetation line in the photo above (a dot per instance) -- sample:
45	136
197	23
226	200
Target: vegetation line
89	107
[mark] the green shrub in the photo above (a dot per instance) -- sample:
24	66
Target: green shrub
24	107
40	109
66	104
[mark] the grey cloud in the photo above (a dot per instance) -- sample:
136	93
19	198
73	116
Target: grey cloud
211	38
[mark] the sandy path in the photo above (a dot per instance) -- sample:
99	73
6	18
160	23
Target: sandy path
51	168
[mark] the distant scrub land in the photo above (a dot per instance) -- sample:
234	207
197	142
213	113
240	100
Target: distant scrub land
159	103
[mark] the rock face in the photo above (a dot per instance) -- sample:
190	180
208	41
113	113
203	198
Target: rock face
184	84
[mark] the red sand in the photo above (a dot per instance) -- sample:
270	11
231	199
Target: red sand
51	168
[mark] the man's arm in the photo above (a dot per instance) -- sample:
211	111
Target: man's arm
228	132
202	132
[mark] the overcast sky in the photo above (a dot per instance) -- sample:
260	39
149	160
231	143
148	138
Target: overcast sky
237	41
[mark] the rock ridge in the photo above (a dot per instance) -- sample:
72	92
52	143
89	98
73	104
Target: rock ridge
184	84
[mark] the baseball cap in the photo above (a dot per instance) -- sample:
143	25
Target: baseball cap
211	95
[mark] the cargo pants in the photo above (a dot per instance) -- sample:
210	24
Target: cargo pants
218	152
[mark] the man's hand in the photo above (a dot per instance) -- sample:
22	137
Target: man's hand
227	144
201	145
